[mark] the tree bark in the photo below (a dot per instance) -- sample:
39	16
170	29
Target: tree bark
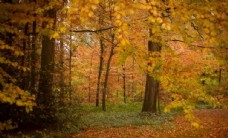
152	85
61	63
33	59
124	84
133	87
220	75
70	69
25	80
107	75
100	71
90	73
45	97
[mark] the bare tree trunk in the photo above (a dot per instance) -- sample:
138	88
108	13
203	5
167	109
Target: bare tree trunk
124	83
90	72
152	85
158	99
118	80
220	75
150	98
33	58
100	71
107	75
61	70
133	78
70	69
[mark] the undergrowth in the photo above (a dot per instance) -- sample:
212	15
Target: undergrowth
72	119
120	116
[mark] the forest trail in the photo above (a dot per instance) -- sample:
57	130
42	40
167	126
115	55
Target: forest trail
213	124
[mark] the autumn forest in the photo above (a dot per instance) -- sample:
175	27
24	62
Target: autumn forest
113	68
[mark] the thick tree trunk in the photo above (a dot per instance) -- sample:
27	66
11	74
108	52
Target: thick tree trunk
152	85
45	97
150	98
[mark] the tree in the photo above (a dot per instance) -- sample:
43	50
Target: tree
105	88
61	67
45	96
124	83
101	62
186	45
33	55
13	34
152	84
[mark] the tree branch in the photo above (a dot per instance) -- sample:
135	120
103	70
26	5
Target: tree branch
200	46
93	31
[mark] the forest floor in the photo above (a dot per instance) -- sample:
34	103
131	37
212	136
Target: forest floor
213	124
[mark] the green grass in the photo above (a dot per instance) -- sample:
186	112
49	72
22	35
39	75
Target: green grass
119	116
120	119
113	107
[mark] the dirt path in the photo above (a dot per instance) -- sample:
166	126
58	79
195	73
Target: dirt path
213	124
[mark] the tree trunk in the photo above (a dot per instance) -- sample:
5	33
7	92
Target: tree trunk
90	73
100	71
133	87
33	59
124	83
220	75
25	80
45	97
70	68
107	75
61	63
101	63
152	85
118	81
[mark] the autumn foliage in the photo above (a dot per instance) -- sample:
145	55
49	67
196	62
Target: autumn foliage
59	54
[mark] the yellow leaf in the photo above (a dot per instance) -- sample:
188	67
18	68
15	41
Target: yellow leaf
159	20
196	125
62	29
93	7
151	19
166	110
96	1
168	27
90	14
55	35
19	103
24	69
163	26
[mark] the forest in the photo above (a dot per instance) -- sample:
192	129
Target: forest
113	68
